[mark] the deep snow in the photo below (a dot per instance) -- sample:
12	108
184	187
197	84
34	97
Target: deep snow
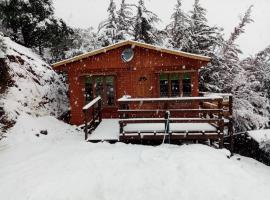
61	165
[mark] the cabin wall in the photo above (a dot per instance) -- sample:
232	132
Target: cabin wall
138	78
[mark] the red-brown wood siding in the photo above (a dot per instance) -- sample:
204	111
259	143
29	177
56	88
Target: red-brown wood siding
146	63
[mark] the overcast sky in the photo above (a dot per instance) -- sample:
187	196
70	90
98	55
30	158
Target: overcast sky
224	13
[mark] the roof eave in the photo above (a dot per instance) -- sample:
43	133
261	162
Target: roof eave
130	42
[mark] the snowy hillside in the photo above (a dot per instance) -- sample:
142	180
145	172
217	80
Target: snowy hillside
60	165
34	87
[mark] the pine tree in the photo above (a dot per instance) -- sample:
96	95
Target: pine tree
85	40
124	25
108	29
144	28
201	38
23	18
59	39
178	27
230	53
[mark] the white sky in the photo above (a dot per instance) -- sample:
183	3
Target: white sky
224	13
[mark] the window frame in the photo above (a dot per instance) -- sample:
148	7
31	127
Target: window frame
180	78
103	95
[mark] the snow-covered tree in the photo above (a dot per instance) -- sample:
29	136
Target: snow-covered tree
219	75
177	29
108	28
85	40
144	28
125	22
23	18
230	53
251	105
201	38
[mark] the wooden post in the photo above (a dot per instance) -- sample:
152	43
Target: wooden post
121	127
99	111
221	123
230	125
167	125
85	125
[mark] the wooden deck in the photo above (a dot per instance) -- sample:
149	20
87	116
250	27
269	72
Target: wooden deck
162	119
108	130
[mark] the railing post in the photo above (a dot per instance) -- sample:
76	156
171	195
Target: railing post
99	111
221	123
230	125
167	125
85	125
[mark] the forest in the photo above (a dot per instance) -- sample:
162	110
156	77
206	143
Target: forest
33	24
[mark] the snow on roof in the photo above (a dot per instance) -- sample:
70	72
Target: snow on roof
134	43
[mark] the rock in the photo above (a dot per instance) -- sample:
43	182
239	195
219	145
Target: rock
44	132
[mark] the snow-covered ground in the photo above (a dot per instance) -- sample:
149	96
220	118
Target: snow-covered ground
61	166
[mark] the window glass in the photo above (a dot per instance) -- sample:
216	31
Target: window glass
102	86
175	90
186	85
89	89
164	85
99	86
110	90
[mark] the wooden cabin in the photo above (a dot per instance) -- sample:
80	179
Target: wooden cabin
129	68
135	79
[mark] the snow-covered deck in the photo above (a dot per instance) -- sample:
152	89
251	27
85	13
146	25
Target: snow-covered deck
108	130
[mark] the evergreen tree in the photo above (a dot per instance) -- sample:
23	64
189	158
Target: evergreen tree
124	21
24	17
177	29
201	38
230	53
85	40
108	29
144	28
59	39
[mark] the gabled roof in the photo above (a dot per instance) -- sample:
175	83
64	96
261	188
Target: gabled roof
133	43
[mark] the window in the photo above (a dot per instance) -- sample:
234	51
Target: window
89	96
175	84
186	85
164	85
102	86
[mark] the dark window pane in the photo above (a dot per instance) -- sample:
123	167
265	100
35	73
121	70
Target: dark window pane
88	89
110	90
174	78
164	85
99	86
186	85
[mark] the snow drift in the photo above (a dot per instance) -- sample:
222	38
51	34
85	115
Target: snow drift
34	89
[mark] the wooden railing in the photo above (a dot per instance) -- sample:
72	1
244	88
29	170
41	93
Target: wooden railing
181	110
92	115
227	106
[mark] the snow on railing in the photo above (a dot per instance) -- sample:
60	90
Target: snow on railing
125	99
92	116
90	104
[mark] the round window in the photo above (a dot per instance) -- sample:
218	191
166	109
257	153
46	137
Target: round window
127	55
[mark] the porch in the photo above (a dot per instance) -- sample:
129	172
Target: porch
157	120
